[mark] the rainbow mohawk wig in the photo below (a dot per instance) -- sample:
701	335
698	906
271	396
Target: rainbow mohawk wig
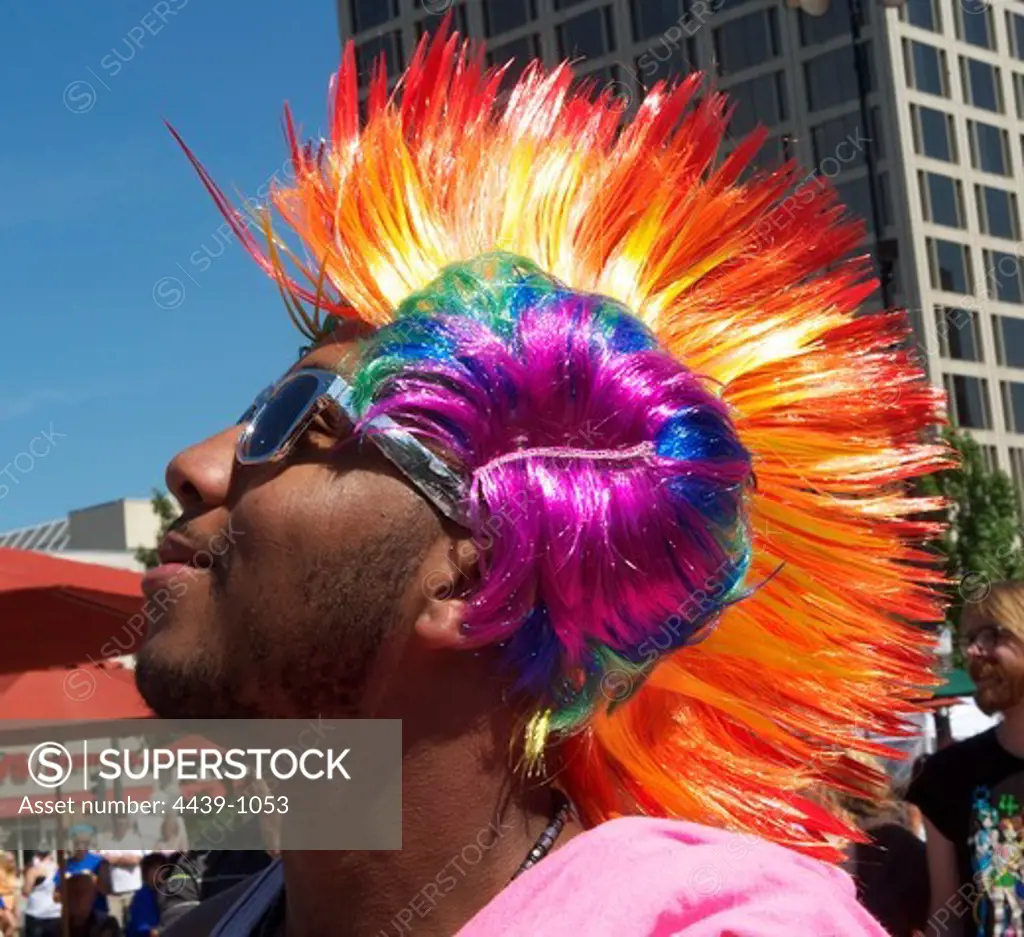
687	452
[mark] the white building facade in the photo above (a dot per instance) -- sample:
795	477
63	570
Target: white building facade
108	534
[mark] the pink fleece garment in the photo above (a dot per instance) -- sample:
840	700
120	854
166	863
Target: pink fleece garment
637	877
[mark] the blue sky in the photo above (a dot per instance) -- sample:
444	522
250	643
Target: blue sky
118	364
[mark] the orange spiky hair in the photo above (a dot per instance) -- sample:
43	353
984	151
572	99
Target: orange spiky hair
745	283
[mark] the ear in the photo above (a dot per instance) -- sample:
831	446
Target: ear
450	574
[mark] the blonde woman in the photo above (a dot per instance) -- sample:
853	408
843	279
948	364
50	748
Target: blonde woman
890	869
9	893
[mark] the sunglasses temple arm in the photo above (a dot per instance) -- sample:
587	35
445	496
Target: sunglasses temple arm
438	482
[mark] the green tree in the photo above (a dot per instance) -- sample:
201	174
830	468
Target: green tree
164	508
983	542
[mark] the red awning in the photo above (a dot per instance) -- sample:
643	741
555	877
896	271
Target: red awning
59	611
83	693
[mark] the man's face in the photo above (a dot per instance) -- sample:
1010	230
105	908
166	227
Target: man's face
310	563
995	661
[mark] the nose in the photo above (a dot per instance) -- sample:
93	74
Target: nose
200	476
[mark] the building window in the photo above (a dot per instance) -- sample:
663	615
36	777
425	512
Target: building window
750	40
1015	30
934	135
501	16
665	60
607	77
589	35
1017	470
1018	94
370	50
926	68
959	333
774	153
431	24
949	266
997	212
968	401
942	199
831	79
982	86
1013	406
841	139
834	22
651	18
368	14
974	23
1003	273
990	457
517	54
758	101
1009	335
563	4
990	148
877	133
855	195
923	13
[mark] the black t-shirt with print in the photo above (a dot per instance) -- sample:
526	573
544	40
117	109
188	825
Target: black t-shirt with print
973	793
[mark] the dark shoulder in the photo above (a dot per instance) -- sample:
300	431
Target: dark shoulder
108	927
961	753
200	921
949	774
896	840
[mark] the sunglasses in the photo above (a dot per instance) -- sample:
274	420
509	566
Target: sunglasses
282	413
985	639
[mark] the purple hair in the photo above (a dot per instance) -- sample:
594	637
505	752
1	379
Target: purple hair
608	485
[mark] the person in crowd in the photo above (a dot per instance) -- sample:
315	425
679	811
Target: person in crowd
143	918
508	496
890	866
125	866
10	888
86	919
971	793
8	920
915	819
85	860
173	838
41	905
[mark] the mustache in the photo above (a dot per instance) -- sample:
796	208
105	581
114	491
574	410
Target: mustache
180	525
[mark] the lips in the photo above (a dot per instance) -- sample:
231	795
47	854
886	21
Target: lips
178	559
175	550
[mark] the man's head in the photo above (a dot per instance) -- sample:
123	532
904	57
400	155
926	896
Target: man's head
588	455
992	635
151	866
81	840
121	825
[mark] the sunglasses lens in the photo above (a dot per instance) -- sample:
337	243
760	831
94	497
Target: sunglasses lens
279	416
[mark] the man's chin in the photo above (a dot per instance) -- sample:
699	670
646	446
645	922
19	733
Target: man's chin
998	696
989	702
181	689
